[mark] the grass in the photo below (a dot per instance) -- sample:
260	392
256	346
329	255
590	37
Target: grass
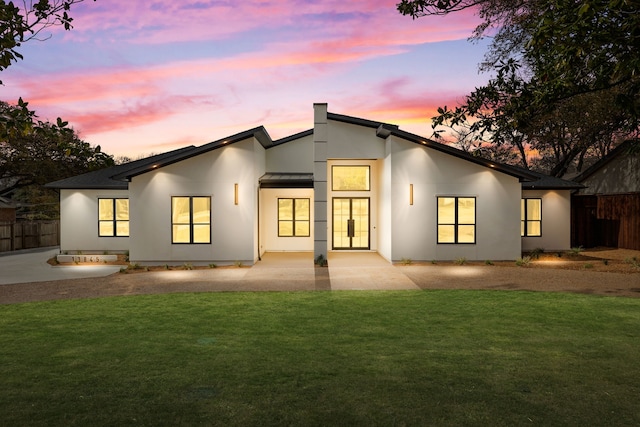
323	358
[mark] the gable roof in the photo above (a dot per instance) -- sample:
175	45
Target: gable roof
107	178
546	182
620	149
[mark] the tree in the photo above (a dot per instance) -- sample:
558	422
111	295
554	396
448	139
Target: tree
549	57
21	24
40	152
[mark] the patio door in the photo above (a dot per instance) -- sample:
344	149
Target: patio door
350	223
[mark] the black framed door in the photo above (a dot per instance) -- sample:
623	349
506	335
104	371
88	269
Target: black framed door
350	223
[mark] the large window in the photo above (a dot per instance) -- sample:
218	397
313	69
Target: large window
293	217
531	217
113	217
191	219
350	178
456	220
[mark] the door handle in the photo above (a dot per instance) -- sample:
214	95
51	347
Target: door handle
351	225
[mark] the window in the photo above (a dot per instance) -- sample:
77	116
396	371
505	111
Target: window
113	217
191	220
350	178
293	217
531	217
456	219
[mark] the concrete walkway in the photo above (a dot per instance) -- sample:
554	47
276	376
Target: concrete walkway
31	266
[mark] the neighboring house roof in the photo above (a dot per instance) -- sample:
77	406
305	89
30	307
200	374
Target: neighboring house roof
6	203
105	178
620	149
546	182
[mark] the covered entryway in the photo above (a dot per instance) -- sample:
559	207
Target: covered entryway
351	223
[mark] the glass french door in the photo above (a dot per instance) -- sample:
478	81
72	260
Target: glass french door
350	223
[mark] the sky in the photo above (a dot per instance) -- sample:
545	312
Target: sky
143	77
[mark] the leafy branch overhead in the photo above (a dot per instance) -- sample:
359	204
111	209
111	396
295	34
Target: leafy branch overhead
553	60
19	24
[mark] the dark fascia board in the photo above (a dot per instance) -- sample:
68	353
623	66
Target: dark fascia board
286	180
259	133
622	148
291	138
523	175
359	121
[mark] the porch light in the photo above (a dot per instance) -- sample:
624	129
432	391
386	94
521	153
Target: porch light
235	193
411	194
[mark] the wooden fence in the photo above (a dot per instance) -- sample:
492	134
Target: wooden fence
28	234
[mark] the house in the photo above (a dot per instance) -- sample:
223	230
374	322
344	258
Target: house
346	184
7	210
606	212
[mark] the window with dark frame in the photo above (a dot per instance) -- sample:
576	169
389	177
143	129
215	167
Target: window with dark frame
531	217
190	220
350	178
294	217
456	220
113	217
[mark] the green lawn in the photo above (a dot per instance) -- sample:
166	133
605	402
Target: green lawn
323	358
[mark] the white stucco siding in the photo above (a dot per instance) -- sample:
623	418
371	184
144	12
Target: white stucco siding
79	221
384	205
433	174
556	221
210	174
621	175
270	241
347	141
292	156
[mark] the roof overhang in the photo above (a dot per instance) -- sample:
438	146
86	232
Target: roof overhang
286	180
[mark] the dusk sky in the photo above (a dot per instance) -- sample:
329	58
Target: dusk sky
141	77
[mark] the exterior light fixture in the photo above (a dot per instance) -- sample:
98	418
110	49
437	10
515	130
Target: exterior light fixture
411	194
235	193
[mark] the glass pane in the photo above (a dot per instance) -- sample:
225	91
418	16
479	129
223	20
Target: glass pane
122	228
350	178
105	228
201	234
446	234
181	234
285	228
285	209
302	228
522	217
302	209
534	228
180	210
466	210
340	217
534	208
522	228
201	210
446	210
466	234
105	209
122	209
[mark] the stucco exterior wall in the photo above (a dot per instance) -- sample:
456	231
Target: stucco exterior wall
347	141
292	156
79	221
433	174
269	240
556	221
620	175
213	174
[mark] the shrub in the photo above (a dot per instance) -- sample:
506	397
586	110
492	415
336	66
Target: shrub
488	262
535	254
575	251
406	261
212	265
187	266
461	261
523	262
588	265
238	264
320	261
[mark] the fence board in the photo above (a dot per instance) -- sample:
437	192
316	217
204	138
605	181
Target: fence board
28	234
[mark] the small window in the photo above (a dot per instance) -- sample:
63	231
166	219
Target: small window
191	220
293	218
113	217
531	217
456	220
350	178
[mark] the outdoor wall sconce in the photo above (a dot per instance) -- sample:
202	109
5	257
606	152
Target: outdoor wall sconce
411	194
235	194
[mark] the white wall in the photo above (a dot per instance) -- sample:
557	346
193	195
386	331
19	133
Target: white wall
211	174
79	221
269	224
292	156
347	141
433	174
556	221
